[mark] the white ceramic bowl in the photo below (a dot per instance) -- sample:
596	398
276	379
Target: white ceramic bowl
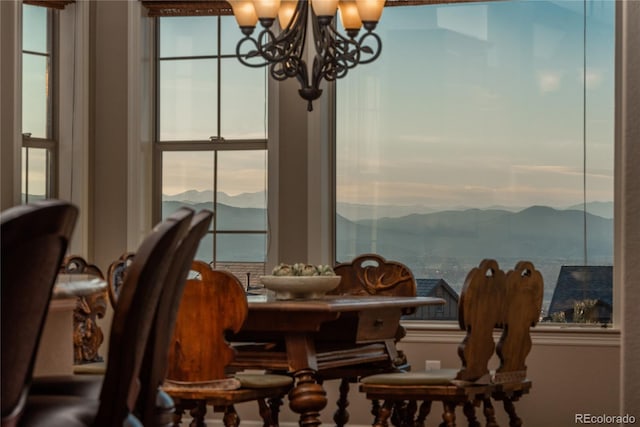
292	287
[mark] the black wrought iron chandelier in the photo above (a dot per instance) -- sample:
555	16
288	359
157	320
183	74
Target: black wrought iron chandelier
335	54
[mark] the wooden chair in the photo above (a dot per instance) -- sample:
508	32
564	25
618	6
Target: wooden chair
523	304
87	335
130	330
34	238
213	304
480	310
115	276
370	274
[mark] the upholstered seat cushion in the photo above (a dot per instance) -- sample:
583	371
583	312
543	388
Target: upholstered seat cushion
96	368
68	411
263	380
435	377
87	386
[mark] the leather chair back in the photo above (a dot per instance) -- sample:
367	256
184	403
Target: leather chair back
34	239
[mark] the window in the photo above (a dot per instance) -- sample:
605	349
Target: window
494	138
38	144
211	142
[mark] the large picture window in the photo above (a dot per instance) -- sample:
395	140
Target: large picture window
38	143
211	145
485	130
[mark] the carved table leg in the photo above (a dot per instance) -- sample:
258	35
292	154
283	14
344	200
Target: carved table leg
307	398
341	417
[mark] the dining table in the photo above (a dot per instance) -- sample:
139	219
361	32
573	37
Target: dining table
314	338
55	352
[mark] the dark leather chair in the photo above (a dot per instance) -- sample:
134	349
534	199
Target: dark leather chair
130	330
153	407
34	238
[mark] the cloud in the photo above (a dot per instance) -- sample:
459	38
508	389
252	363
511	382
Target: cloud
549	81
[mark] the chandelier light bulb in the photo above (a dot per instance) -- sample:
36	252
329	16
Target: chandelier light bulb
324	8
286	11
370	11
267	11
245	13
349	17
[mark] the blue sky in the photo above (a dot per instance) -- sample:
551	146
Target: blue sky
481	105
468	105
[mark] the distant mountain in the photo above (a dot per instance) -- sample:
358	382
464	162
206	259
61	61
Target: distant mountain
448	244
242	200
603	209
356	212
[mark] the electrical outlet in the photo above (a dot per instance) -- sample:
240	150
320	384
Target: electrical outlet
431	365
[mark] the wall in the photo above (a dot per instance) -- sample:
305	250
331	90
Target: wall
10	105
571	372
628	192
568	376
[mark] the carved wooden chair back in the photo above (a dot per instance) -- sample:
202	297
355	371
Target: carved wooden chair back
480	310
214	304
371	274
115	276
34	238
75	264
523	302
524	292
87	335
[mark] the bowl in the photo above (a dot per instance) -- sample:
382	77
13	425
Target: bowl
294	287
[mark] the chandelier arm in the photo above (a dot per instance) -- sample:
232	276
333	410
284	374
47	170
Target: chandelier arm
334	55
242	57
375	53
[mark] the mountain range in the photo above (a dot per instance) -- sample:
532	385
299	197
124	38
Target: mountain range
440	244
360	211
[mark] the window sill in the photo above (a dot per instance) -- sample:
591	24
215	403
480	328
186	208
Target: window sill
552	335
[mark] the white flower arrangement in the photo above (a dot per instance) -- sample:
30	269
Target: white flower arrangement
301	269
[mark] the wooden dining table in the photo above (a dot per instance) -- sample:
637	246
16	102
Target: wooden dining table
313	337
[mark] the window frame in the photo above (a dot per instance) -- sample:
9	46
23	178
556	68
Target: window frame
215	144
614	325
51	142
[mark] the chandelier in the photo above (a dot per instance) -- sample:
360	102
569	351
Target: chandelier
282	51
